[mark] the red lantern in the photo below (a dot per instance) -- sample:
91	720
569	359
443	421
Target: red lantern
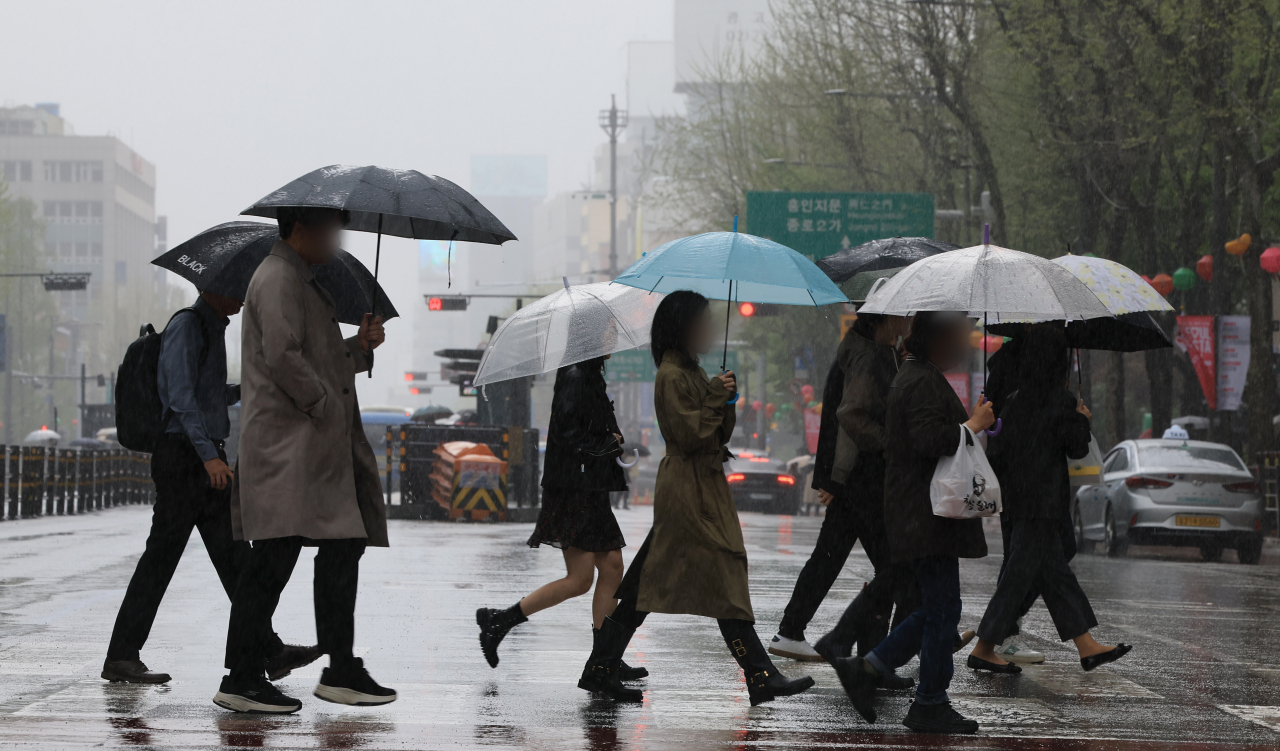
806	391
992	344
1204	268
1163	284
1271	260
1146	279
769	410
757	405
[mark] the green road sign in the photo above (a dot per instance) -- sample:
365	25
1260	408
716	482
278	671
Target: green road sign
635	365
819	224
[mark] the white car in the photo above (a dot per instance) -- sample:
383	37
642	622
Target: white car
1172	492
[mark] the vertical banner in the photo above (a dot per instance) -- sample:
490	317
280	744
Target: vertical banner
812	424
1195	337
1233	360
960	382
977	382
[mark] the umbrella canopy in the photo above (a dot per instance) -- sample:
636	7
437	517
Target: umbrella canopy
572	325
760	271
222	260
404	203
1127	296
879	255
988	281
42	437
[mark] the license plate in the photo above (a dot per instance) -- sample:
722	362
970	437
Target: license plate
761	497
1198	521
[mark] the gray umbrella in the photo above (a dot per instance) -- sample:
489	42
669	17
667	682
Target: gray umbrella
222	260
880	255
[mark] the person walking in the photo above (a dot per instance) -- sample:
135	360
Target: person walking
307	475
1044	424
852	477
922	422
189	468
579	472
694	560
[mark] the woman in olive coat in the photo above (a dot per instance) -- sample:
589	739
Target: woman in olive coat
922	425
694	560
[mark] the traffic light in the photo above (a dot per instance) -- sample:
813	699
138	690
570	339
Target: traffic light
446	303
417	375
757	310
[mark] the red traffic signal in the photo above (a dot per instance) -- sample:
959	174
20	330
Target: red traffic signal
746	309
757	310
446	303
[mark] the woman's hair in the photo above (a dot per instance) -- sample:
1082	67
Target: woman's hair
593	368
673	321
1044	359
927	327
866	324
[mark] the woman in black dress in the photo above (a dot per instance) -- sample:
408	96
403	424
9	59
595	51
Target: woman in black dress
583	441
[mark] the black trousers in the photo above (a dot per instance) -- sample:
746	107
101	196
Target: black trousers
1068	534
270	564
1035	560
184	501
854	516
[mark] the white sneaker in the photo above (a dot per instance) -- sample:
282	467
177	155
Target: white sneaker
1016	651
796	650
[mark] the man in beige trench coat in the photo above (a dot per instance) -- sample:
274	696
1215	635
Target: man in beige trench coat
306	475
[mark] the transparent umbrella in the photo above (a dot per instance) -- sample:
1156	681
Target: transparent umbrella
572	325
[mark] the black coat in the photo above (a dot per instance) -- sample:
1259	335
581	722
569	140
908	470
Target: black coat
581	435
922	425
828	433
1040	430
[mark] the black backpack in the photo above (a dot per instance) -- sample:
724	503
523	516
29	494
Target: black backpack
140	417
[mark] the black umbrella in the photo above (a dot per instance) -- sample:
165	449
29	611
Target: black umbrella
222	260
878	255
1131	332
404	203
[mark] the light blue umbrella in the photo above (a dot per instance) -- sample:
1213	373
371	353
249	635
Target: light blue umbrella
736	267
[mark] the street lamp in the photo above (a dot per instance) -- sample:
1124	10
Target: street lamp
613	121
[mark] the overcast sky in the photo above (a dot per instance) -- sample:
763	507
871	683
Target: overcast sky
231	100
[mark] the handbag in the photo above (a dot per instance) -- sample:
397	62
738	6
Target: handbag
964	486
1088	469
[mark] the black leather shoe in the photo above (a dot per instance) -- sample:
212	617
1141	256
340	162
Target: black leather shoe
895	682
859	685
764	681
1093	661
938	718
628	673
289	658
977	663
136	671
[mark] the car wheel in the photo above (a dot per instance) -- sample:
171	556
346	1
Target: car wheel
1116	547
1077	523
1211	551
1249	551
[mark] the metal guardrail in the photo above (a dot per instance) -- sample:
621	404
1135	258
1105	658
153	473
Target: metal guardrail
1268	471
40	481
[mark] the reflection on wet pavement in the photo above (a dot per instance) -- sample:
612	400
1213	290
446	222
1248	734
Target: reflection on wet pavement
1205	669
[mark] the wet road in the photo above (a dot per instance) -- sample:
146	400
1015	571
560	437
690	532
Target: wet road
1205	671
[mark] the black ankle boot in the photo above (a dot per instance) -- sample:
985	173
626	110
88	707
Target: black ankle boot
600	674
494	624
764	682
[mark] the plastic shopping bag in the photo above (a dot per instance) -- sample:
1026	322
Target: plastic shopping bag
964	485
1088	470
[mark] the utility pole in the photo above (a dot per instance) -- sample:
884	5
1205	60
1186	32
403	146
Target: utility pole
613	121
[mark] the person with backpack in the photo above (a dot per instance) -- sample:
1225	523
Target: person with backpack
172	398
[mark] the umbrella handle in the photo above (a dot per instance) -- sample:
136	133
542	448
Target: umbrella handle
876	285
999	427
624	465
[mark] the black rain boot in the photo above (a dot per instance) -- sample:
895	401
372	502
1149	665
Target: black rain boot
625	671
494	624
600	674
764	681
